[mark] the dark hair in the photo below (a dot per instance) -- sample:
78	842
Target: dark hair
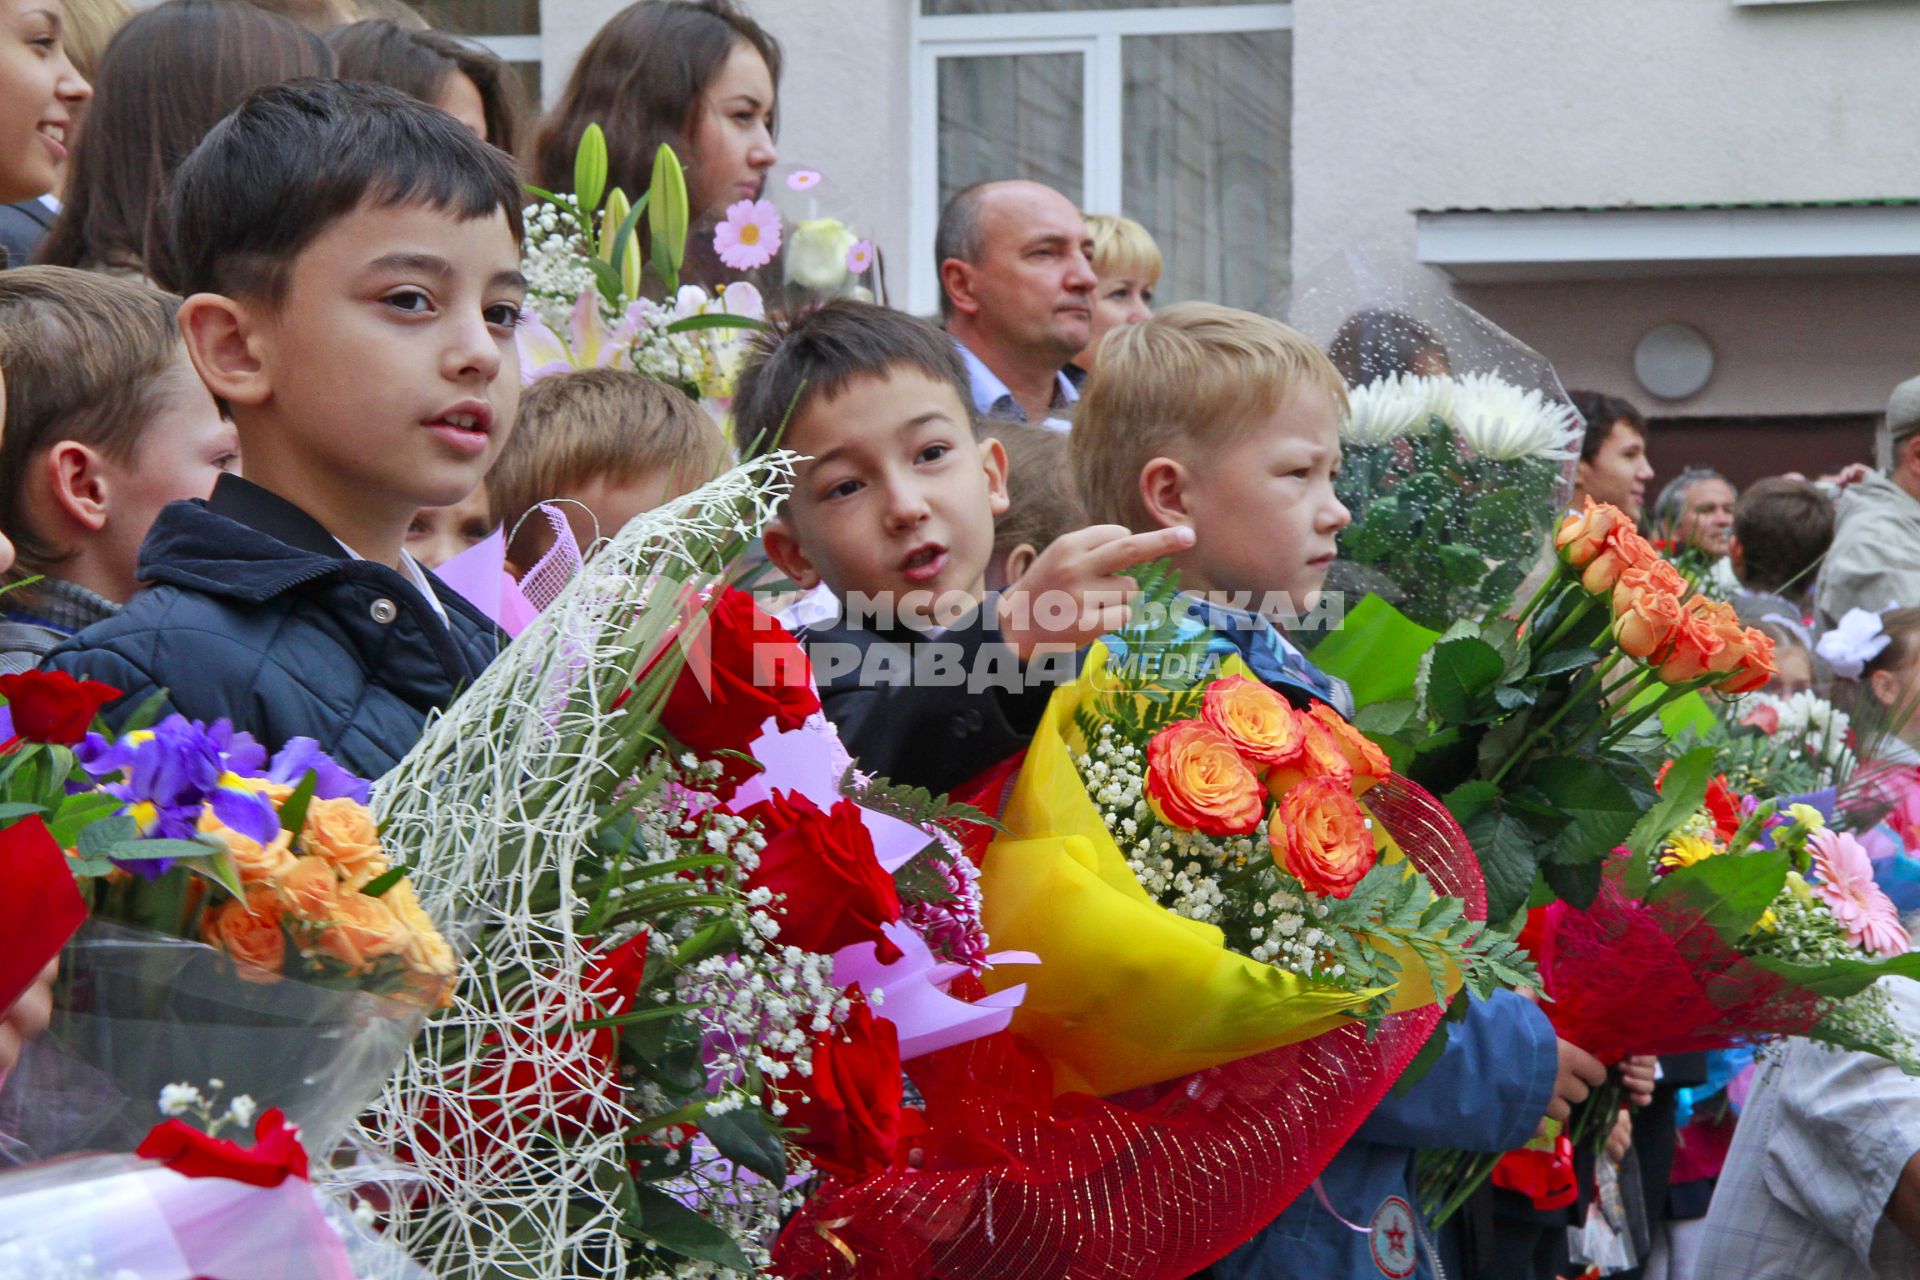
958	235
1378	343
1784	527
1042	502
85	355
423	62
820	350
277	172
166	78
1600	412
641	78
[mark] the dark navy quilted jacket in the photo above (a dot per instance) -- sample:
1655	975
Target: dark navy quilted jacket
254	613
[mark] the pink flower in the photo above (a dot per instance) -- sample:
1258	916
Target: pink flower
803	179
1846	885
860	257
749	236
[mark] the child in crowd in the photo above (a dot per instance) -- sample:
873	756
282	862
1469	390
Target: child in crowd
43	93
1228	424
462	78
438	534
924	673
354	263
1782	529
603	445
167	77
1041	502
107	423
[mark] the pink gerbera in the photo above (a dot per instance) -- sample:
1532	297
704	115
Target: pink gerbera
803	179
860	257
1846	885
749	236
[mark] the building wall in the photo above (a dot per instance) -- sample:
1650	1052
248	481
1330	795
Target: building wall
1403	104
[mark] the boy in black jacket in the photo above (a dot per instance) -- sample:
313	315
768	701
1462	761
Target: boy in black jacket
352	258
929	679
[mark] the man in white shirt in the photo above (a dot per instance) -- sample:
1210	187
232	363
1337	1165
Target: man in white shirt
1016	293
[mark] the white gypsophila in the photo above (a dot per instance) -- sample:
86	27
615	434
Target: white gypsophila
178	1099
1397	405
552	259
1503	422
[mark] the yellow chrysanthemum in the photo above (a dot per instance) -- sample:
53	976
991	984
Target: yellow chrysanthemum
1684	851
1808	816
1767	921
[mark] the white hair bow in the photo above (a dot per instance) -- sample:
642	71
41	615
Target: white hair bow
1850	646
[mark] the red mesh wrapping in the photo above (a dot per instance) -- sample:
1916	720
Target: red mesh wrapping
1160	1182
1689	991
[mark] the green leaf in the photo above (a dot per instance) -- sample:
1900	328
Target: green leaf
1460	675
78	813
293	814
671	1225
1461	565
1839	979
628	225
1683	792
590	175
384	881
1376	651
1601	807
147	714
1503	843
1384	717
218	867
14	812
1730	891
608	279
1564	660
715	320
667	197
1574	883
99	839
745	1136
137	850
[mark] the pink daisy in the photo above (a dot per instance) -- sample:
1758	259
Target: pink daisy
860	257
749	236
803	179
1846	885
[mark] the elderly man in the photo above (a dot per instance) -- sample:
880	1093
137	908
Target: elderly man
1016	292
1696	510
1875	560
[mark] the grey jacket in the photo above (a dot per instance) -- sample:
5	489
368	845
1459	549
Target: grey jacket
1875	560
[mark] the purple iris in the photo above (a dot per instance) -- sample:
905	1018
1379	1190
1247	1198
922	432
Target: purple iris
167	775
302	756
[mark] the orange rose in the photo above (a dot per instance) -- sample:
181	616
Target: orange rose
424	947
1625	550
1319	835
1659	577
256	863
1196	780
1643	630
1691	647
1368	762
1756	669
1719	615
1583	533
343	832
250	932
311	889
1321	756
362	930
1262	726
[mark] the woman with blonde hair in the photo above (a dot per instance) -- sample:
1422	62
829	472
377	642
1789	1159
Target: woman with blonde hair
1128	263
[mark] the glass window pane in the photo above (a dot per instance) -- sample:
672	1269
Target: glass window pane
1206	142
936	8
484	17
1013	116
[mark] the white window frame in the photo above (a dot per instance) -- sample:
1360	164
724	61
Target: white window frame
1095	34
525	48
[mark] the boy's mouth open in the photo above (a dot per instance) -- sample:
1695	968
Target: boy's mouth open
464	427
924	563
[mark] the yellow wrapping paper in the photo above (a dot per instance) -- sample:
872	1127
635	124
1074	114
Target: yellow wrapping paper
1128	993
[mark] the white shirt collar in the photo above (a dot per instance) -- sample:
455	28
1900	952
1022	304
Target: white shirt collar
993	399
415	575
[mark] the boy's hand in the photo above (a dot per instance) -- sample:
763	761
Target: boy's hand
1637	1074
1580	1073
1620	1137
28	1017
1075	592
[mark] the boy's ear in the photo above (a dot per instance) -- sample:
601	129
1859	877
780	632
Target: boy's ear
1163	491
993	456
219	333
784	550
79	488
1021	559
1736	555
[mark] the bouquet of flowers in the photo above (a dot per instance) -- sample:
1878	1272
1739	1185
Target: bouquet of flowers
241	920
1773	744
707	944
1536	731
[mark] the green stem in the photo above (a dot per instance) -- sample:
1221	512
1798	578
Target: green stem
1640	717
1567	624
1554	581
1638	674
1539	731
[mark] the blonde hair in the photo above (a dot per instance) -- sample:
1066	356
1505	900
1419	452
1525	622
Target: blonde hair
1122	247
589	424
89	26
1193	378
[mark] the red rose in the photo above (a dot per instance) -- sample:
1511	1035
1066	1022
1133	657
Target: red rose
742	667
51	706
276	1153
830	890
849	1107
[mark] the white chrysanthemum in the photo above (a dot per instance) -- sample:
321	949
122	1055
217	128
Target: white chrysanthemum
1398	405
1503	422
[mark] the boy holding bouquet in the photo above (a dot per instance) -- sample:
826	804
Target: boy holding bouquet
1227	424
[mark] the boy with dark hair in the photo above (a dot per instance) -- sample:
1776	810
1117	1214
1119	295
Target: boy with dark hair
1613	454
352	260
1782	529
1228	423
925	674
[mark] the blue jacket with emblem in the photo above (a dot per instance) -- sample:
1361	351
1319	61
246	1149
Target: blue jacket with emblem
254	613
1485	1092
